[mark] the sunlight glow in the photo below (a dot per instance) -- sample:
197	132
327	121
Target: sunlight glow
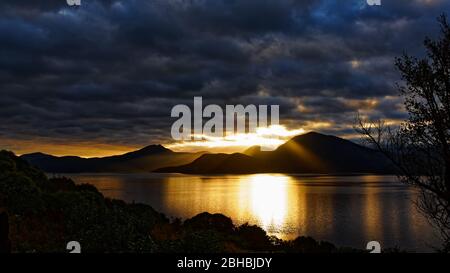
269	138
269	197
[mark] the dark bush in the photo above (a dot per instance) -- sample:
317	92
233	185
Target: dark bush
206	221
253	237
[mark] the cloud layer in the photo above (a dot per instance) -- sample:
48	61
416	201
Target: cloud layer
109	72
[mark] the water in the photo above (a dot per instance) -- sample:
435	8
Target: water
345	210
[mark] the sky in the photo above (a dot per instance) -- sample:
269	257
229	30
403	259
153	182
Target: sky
102	78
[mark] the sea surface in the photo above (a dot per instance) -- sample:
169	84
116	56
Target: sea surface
345	210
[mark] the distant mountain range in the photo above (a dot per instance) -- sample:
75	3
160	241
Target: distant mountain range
309	153
144	160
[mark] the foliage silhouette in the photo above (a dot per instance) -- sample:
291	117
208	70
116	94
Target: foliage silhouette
420	147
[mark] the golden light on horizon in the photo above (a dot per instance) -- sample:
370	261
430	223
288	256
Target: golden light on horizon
86	149
267	137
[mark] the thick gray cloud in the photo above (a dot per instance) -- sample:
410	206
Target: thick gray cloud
112	69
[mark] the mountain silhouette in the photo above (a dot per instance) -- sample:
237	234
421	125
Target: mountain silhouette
252	151
313	153
309	153
144	160
219	164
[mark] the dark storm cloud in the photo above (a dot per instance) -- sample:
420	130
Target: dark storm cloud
112	69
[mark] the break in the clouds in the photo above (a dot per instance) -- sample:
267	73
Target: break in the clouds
109	72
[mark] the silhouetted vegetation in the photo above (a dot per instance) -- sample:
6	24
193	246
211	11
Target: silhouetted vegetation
420	147
45	214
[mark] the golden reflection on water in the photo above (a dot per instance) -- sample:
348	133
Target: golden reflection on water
288	206
372	210
345	210
262	199
269	199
